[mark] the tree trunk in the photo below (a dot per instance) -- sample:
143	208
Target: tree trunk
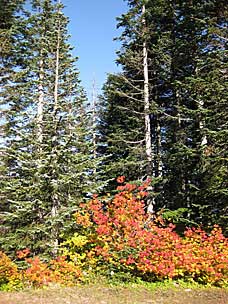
40	105
55	198
147	103
201	120
158	149
148	140
94	120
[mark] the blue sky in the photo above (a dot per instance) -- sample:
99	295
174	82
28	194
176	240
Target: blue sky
92	28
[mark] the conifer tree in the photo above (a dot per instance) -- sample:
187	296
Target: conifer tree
135	97
11	57
198	38
48	151
185	47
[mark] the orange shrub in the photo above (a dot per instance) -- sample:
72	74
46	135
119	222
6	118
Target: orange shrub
58	271
9	274
205	256
38	273
118	235
64	272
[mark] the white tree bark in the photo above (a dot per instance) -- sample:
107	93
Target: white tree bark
40	105
94	120
159	152
202	126
148	140
55	198
147	103
57	72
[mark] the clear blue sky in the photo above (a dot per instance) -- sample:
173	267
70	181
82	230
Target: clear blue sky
92	28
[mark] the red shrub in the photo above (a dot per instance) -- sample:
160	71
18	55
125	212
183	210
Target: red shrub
125	236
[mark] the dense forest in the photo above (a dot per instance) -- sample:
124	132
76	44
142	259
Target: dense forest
162	119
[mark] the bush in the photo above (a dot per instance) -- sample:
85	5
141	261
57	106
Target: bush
119	236
10	277
36	273
118	239
57	271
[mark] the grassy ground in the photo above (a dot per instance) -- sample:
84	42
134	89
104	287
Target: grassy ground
104	294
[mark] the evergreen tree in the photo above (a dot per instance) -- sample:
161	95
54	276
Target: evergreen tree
11	61
135	97
211	200
48	151
198	40
185	49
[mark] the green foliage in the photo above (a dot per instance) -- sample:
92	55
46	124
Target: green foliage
174	216
193	139
47	162
188	109
178	217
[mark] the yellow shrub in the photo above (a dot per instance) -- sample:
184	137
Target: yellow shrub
10	278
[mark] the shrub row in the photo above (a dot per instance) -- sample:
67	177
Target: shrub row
37	273
116	235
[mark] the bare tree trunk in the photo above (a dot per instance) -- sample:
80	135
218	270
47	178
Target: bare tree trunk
158	149
40	105
148	140
57	72
55	198
147	104
54	213
39	121
202	125
204	141
94	119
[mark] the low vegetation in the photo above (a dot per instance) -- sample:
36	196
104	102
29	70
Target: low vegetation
118	240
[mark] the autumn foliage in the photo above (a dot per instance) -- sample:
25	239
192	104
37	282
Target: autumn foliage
37	273
116	234
123	236
56	271
59	271
9	273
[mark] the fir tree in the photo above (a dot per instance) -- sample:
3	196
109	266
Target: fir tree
135	97
185	49
48	150
196	43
